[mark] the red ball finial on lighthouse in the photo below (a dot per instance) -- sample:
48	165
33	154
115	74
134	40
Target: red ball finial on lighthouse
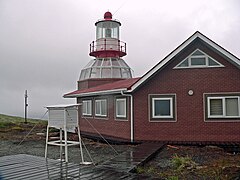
108	15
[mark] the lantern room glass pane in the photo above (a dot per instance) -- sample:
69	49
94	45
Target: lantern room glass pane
126	73
106	62
106	68
95	73
106	72
116	73
107	29
115	62
87	73
97	62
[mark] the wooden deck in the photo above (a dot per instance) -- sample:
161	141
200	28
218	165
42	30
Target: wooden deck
129	160
23	166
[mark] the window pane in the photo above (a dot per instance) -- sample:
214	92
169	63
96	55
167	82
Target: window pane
87	107
184	63
103	108
198	61
216	107
84	110
211	62
197	53
98	104
121	107
162	108
232	108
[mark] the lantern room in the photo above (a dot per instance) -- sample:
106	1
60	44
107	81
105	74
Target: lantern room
107	50
107	42
107	28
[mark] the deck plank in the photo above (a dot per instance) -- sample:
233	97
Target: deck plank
28	167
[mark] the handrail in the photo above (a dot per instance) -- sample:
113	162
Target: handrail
106	44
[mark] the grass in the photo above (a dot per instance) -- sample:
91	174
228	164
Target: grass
15	119
181	163
16	123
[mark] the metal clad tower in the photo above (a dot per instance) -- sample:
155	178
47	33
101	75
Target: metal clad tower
108	51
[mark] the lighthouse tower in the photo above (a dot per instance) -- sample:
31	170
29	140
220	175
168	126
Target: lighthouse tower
108	65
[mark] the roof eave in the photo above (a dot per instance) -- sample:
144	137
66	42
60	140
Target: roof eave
114	91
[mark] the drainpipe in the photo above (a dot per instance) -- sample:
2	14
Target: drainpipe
131	111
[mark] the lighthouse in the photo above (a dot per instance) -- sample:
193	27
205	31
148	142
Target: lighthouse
107	50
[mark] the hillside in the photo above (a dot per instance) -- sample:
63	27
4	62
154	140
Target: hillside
13	127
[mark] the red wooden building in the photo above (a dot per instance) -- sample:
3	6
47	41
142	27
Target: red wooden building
192	95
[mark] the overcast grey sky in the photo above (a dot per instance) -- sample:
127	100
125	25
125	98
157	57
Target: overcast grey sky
45	43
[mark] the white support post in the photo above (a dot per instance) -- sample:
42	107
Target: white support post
46	147
65	134
61	144
66	145
80	143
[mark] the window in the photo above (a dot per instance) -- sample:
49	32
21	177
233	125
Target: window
87	107
162	107
101	107
223	107
198	59
121	108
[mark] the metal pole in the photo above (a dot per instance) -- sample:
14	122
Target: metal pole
26	105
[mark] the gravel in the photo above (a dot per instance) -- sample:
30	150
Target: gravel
99	152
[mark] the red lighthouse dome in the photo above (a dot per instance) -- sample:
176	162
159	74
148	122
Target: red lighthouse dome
108	15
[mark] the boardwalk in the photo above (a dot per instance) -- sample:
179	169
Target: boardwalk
24	166
129	160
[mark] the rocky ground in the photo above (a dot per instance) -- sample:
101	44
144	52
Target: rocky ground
12	142
192	162
173	162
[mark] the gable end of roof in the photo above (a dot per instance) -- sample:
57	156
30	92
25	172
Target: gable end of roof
233	59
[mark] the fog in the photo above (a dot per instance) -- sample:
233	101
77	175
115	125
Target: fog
44	44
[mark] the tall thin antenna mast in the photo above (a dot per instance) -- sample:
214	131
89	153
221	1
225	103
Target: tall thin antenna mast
26	105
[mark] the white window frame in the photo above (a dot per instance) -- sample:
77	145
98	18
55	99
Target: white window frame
101	113
125	107
223	98
171	107
88	110
191	57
